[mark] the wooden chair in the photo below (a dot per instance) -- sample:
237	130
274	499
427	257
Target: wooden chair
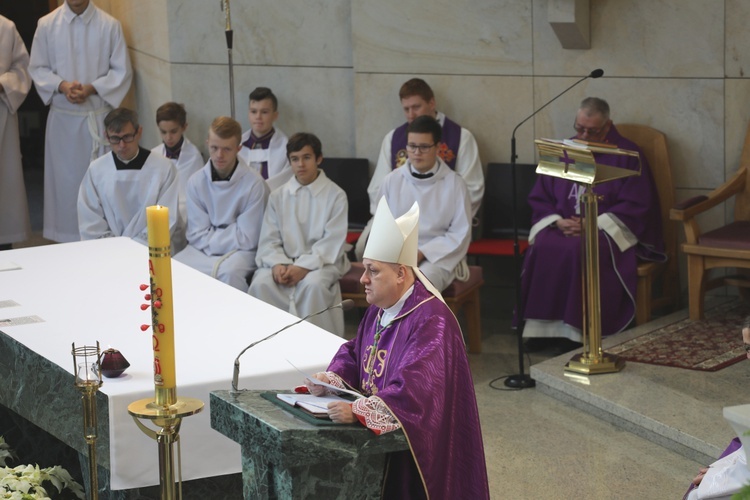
727	246
459	295
662	275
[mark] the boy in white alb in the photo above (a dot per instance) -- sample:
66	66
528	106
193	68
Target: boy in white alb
118	186
225	204
301	254
444	202
264	146
171	119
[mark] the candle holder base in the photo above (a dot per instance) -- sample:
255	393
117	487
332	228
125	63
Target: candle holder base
168	418
609	363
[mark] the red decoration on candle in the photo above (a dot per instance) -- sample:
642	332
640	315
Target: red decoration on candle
144	327
147	296
144	307
143	287
157	304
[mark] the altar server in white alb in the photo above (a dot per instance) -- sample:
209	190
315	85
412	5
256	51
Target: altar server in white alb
445	206
119	185
264	145
457	146
171	120
301	255
80	66
226	200
14	85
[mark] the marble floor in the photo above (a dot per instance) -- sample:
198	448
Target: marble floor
537	446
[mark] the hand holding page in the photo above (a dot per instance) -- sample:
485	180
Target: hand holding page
315	381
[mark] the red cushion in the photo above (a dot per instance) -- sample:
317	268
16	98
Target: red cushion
734	236
490	246
353	236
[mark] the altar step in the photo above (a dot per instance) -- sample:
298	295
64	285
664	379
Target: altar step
675	408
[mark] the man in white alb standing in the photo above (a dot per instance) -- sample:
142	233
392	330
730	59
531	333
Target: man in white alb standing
80	67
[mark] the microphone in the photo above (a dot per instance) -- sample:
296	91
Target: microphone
345	305
597	73
521	380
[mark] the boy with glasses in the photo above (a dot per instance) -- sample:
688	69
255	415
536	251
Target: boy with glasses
445	221
457	147
118	186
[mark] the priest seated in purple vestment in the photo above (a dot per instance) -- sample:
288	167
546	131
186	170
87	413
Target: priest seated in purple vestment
409	362
629	224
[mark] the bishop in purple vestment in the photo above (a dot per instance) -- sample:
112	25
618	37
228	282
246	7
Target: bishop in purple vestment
409	362
629	228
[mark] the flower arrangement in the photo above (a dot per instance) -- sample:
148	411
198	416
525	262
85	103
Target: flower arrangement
29	482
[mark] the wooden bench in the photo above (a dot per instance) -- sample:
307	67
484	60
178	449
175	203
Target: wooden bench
459	295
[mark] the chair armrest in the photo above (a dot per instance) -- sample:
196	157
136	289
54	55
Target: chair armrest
688	209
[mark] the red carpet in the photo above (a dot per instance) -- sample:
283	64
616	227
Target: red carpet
708	345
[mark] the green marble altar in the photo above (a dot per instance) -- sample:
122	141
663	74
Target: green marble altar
41	417
287	458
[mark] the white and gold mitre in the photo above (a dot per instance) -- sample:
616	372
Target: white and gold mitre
394	240
397	240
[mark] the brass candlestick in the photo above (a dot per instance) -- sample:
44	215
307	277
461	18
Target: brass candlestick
168	418
88	380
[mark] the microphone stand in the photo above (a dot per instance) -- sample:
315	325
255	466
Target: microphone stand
521	380
344	305
229	35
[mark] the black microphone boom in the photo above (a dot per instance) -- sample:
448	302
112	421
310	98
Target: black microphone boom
594	74
345	305
521	380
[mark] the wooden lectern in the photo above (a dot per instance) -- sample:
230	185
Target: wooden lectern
574	161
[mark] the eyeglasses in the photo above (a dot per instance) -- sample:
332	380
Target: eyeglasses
588	131
115	139
422	148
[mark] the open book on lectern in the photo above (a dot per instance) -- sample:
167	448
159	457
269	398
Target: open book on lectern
574	161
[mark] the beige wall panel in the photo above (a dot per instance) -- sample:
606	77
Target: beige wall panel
737	38
152	83
266	32
737	121
145	25
442	37
661	38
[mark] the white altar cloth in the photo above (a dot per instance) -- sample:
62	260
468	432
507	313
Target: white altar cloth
88	291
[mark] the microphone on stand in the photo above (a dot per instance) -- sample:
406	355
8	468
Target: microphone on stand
345	305
229	33
521	380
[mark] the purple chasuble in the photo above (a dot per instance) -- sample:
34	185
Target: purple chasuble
734	445
253	142
447	147
551	277
421	373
